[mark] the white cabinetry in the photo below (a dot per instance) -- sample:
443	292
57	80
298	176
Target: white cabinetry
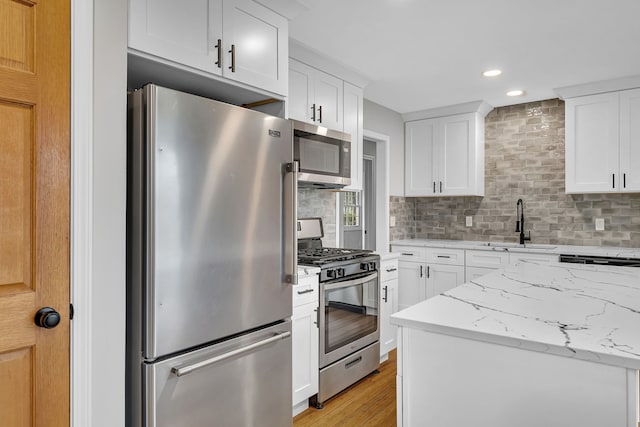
388	305
478	263
305	341
427	272
238	39
516	257
353	125
444	156
314	96
603	142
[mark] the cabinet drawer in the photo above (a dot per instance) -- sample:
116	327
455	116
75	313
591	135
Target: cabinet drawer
445	256
487	259
409	252
389	270
472	273
306	291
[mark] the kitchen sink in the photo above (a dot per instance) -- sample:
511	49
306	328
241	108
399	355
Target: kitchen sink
516	246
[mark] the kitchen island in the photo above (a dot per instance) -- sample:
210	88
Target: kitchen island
529	345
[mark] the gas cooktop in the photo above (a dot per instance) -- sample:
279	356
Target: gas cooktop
320	256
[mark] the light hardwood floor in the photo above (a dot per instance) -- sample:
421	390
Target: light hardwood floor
370	402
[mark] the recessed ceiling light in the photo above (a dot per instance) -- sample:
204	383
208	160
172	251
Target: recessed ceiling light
492	73
516	92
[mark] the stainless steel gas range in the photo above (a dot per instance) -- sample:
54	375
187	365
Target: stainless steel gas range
349	305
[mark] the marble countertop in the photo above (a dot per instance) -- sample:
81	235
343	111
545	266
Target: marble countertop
581	311
528	247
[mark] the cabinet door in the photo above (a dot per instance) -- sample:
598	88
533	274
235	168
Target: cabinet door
411	283
301	93
259	40
441	278
353	116
305	351
630	140
420	137
455	154
472	273
592	149
388	306
328	99
185	32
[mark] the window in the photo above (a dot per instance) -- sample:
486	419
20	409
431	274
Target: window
351	209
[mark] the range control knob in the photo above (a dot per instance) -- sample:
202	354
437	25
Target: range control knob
366	266
331	274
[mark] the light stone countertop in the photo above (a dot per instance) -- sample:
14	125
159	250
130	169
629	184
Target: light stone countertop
528	248
580	311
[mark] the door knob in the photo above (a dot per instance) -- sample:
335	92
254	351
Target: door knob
47	318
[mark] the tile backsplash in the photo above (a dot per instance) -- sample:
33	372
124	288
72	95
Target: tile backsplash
319	203
524	158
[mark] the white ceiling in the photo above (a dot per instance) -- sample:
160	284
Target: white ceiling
421	54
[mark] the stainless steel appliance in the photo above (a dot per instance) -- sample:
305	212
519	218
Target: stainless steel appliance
324	156
349	310
211	257
601	260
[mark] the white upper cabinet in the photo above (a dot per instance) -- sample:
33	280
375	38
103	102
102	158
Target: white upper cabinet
603	142
314	96
238	39
444	156
630	140
256	39
353	125
185	32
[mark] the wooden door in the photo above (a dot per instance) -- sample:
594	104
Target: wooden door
34	210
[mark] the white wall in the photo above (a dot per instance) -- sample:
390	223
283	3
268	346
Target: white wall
388	122
109	203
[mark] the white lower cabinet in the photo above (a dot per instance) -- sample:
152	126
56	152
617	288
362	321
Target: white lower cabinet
472	273
515	258
420	278
305	340
388	305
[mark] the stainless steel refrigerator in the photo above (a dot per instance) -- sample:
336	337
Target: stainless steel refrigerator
211	250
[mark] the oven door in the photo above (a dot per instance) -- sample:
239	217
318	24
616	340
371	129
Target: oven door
348	317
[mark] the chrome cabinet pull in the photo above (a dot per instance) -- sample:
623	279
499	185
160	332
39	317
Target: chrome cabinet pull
313	115
441	186
434	187
199	365
407	254
389	270
320	111
428	271
317	322
613	182
219	47
624	180
306	291
420	271
233	58
385	293
444	256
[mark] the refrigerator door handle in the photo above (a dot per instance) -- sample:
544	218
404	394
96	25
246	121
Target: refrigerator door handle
291	225
180	371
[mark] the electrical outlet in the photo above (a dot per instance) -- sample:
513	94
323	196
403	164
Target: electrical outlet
469	221
392	221
599	224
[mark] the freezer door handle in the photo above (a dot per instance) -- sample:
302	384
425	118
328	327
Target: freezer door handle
184	370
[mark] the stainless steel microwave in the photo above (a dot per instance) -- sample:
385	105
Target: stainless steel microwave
323	155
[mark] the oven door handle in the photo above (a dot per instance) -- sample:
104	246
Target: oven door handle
348	283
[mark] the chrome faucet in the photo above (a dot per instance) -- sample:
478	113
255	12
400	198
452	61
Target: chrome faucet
520	222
